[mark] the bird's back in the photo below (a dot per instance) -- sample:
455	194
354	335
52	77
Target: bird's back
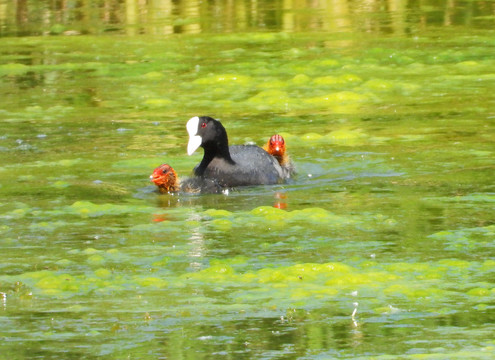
253	166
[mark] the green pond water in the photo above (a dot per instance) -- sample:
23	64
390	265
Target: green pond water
381	247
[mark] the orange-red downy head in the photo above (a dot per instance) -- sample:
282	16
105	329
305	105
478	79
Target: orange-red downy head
276	146
165	178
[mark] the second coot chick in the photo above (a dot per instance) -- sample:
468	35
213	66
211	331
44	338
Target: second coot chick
230	166
276	147
167	181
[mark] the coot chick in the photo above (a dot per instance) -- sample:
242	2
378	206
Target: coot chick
230	166
276	147
167	181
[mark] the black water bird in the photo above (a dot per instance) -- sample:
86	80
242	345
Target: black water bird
230	166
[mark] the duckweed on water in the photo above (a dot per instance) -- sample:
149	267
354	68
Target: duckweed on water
89	209
306	285
268	216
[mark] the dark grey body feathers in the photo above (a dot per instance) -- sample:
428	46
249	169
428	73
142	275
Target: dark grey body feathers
252	166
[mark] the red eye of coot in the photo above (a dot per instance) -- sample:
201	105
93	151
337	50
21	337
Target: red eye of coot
203	125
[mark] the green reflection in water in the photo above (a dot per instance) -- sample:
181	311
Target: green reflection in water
164	17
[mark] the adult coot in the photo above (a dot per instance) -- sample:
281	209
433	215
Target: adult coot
230	166
167	181
276	147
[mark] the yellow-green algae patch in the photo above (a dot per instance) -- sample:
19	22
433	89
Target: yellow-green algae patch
157	102
56	164
273	99
222	224
47	226
306	285
311	136
402	283
14	69
154	75
102	280
277	217
216	213
221	79
103	273
90	209
337	99
331	80
300	79
150	282
53	284
96	260
385	86
345	136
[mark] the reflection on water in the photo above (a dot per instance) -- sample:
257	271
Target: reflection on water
161	17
